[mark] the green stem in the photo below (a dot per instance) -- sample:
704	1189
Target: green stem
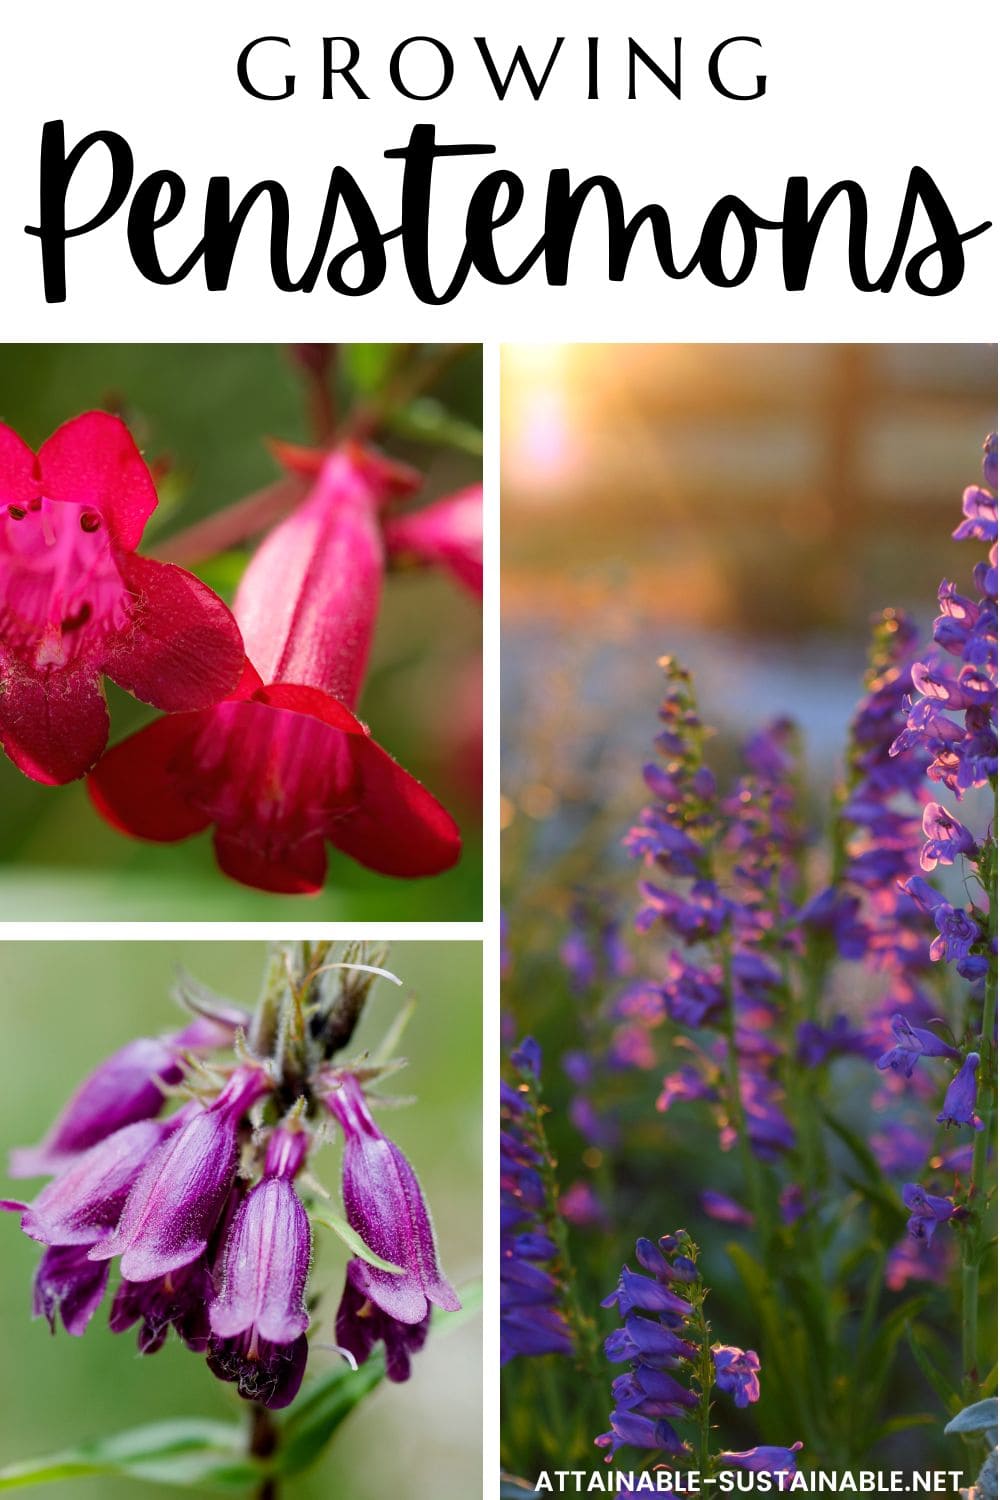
763	1217
263	1440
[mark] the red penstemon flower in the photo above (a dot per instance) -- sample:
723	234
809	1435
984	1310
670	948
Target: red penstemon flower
284	765
77	603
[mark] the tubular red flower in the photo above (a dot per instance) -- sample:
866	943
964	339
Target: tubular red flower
446	534
283	766
77	604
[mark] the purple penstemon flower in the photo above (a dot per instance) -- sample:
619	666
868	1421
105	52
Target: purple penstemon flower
959	1106
70	1285
81	1206
258	1316
764	1460
126	1087
737	1372
927	1211
912	1043
947	838
385	1206
177	1199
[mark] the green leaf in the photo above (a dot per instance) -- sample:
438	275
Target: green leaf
332	1220
516	1489
317	1415
182	1452
328	1401
936	1378
427	421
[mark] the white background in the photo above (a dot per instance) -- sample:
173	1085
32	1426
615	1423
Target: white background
856	90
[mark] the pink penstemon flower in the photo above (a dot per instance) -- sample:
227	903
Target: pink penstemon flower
284	766
447	533
77	603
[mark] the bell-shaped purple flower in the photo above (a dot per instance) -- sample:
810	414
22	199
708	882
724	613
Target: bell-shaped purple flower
361	1324
259	1311
70	1286
82	1204
178	1300
384	1204
946	838
176	1201
764	1460
959	1106
737	1373
126	1087
911	1043
927	1211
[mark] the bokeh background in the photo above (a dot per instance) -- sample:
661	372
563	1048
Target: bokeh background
64	1006
746	509
202	414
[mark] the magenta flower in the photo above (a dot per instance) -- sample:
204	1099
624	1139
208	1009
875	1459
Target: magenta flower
446	534
258	1316
284	766
177	1199
737	1372
77	603
178	1300
68	1285
959	1106
126	1087
385	1206
82	1204
946	838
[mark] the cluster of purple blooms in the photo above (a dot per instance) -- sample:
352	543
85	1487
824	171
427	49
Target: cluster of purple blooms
951	733
200	1207
672	1365
533	1319
728	925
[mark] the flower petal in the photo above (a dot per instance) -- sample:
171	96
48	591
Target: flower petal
92	460
398	828
53	726
135	790
184	650
18	471
292	870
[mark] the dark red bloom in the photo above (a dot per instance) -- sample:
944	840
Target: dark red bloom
283	766
77	604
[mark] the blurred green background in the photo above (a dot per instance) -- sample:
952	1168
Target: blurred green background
64	1006
203	413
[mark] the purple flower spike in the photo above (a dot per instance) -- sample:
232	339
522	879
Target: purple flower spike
736	1372
176	1202
126	1087
764	1460
69	1285
82	1204
384	1204
960	1099
361	1324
